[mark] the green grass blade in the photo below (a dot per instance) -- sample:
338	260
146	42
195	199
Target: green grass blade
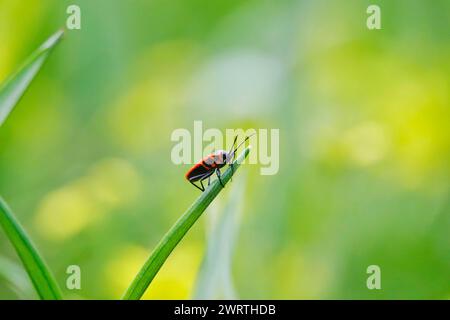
14	88
38	272
176	233
10	93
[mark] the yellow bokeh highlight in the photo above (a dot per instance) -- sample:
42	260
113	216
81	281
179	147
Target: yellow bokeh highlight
63	213
306	276
113	182
175	280
366	143
400	127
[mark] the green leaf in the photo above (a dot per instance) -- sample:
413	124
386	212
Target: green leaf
38	271
177	232
14	88
10	94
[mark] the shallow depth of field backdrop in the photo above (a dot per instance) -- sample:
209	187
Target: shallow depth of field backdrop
364	134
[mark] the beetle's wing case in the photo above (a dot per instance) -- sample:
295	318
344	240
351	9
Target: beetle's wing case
196	172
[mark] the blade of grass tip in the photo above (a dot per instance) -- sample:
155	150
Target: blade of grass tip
14	88
177	232
37	270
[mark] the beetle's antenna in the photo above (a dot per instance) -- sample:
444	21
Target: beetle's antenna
234	142
240	144
234	151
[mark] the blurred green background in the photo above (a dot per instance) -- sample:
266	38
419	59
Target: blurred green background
364	140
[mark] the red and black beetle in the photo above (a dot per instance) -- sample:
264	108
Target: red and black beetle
211	164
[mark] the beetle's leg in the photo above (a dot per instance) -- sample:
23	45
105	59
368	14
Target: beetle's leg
209	180
202	189
219	177
205	176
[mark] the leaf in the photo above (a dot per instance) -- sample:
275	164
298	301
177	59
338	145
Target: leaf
39	273
10	94
177	232
14	88
214	280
